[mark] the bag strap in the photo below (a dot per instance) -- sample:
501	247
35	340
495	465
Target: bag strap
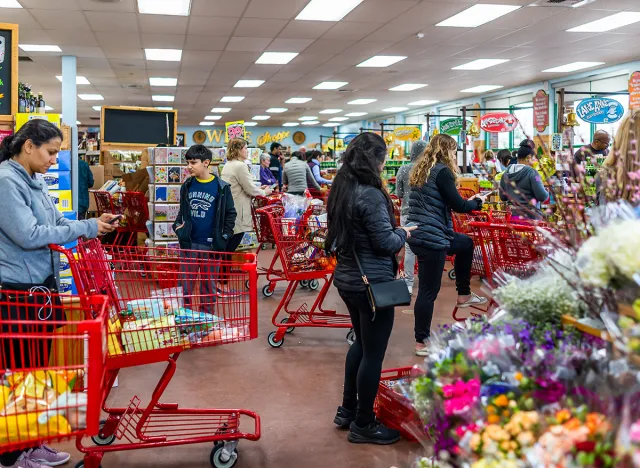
355	255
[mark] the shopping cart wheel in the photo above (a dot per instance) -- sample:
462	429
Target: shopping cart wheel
285	321
107	440
247	284
264	247
452	274
218	456
314	285
267	291
272	340
351	337
80	464
304	283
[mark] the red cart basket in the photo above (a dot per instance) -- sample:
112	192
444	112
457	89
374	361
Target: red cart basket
265	236
164	302
393	408
300	244
52	367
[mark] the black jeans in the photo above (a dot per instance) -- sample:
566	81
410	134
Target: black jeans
430	267
364	358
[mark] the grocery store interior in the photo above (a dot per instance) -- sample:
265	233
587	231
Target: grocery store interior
545	88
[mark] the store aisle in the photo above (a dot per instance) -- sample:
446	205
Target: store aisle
295	389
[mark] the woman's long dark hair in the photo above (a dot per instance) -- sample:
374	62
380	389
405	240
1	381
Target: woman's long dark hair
361	166
38	131
313	154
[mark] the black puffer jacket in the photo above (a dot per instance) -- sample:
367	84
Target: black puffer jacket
376	243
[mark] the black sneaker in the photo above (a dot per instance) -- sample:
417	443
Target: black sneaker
374	433
344	417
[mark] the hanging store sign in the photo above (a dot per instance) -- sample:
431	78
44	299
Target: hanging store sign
498	122
349	138
407	133
334	144
235	130
8	71
453	126
634	90
268	138
541	111
600	110
556	142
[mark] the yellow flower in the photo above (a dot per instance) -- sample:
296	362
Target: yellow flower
563	416
501	401
518	376
493	419
491	409
474	443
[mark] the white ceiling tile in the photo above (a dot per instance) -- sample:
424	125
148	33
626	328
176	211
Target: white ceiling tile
71	37
36	36
350	30
20	17
193	77
305	29
211	26
163	24
194	42
122	67
248	27
284	9
80	51
51	5
524	17
121	6
334	46
248	44
122	40
289	45
480	35
161	65
218	8
391	32
73	20
163	41
200	59
112	22
430	13
119	52
363	50
379	11
248	58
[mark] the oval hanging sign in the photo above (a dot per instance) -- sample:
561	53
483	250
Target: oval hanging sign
453	126
600	110
498	122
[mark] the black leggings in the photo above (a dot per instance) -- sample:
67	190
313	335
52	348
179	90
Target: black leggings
430	267
364	358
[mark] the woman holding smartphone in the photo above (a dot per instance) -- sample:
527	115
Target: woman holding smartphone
433	195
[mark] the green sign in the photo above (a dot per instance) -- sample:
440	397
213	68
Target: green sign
453	126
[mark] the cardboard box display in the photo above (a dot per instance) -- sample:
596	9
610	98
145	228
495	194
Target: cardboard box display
137	181
62	199
60	180
98	181
63	162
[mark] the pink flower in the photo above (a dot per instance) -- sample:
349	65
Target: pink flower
635	432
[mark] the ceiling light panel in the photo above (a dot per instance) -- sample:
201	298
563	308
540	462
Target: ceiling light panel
361	102
327	10
80	80
308	117
164	7
408	87
355	114
261	117
481	89
331	111
97	108
221	109
232	99
395	109
477	15
248	84
250	124
297	100
331	85
571	67
163	98
209	124
163	81
338	119
291	124
48	108
480	64
91	97
311	122
163	55
609	23
277	110
330	125
424	102
213	117
39	48
382	61
276	58
164	108
10	4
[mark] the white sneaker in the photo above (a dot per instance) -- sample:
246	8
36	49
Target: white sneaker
24	462
474	300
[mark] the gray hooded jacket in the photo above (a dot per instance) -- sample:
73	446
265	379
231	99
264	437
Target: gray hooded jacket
29	222
519	186
402	177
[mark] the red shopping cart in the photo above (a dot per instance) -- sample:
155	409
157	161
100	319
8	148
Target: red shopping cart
322	195
52	367
300	244
393	408
265	236
137	214
164	302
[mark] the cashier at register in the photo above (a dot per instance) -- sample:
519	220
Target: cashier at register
599	146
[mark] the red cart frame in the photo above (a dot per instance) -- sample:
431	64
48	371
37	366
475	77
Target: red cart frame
395	410
209	305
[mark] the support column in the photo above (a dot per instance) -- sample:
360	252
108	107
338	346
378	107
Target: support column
70	117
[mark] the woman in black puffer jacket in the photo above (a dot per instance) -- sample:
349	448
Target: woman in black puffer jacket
361	222
433	195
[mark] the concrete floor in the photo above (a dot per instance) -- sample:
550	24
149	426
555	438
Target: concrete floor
295	389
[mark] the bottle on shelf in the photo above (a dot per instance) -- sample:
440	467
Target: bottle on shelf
21	98
41	104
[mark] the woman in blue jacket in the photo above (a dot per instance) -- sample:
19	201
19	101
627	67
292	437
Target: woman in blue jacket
314	165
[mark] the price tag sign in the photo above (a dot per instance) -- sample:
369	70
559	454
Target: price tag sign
235	130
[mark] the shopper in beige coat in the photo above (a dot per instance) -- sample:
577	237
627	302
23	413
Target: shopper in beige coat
237	174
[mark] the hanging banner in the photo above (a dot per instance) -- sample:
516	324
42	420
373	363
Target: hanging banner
634	90
600	110
407	133
332	144
235	130
541	111
498	122
453	126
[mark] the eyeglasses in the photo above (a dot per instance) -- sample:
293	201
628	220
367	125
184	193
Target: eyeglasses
607	143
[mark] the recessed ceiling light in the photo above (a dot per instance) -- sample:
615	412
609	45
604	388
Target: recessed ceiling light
331	111
480	64
424	102
361	102
212	117
481	89
163	98
163	55
39	48
308	117
382	61
338	119
395	109
224	110
164	108
608	23
261	117
232	99
478	15
80	80
297	100
163	81
331	85
355	114
276	58
291	124
48	108
207	123
277	110
248	83
329	125
311	122
408	87
164	7
327	10
78	122
97	108
10	4
91	97
570	67
250	124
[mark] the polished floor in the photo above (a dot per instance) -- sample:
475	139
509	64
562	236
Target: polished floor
295	389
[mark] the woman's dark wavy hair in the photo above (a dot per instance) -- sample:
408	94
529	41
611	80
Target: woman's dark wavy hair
360	166
38	131
313	154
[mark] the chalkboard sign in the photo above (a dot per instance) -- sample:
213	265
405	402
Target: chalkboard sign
8	70
138	126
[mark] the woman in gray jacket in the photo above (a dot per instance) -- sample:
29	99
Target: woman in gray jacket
29	222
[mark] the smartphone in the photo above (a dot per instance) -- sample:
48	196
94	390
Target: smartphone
412	225
116	219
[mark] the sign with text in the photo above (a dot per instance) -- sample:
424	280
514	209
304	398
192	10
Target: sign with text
556	142
600	110
4	134
453	126
541	111
634	90
235	130
407	133
8	71
498	122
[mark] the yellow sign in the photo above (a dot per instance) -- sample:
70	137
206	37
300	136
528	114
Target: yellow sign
407	133
235	129
268	138
329	145
22	119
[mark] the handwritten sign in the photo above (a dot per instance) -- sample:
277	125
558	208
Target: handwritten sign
600	110
541	111
235	130
268	138
634	90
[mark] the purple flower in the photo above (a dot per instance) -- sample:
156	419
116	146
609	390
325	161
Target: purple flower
548	391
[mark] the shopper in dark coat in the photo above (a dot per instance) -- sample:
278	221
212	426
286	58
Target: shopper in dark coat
433	195
361	222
